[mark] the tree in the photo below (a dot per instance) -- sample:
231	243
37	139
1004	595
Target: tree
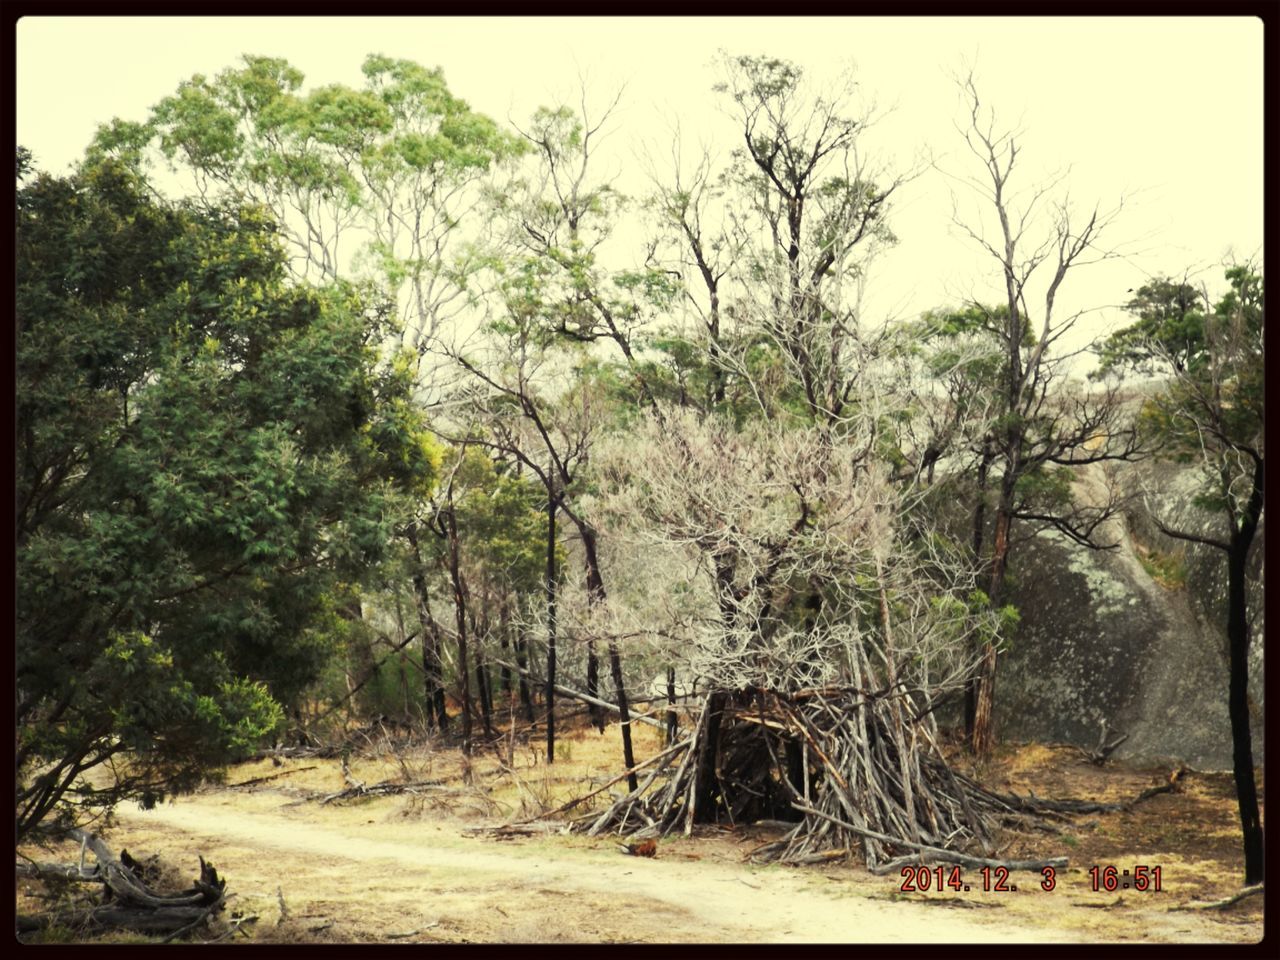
1171	318
693	235
553	299
204	455
839	621
510	387
813	214
1210	412
502	536
396	164
1036	427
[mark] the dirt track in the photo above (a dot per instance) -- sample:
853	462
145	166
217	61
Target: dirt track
360	873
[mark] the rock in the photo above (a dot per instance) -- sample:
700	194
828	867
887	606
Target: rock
1101	639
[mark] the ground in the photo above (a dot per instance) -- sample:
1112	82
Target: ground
423	867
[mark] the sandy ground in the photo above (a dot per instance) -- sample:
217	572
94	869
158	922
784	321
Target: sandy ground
378	875
423	868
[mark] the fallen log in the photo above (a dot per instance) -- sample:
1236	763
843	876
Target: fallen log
272	776
388	788
128	902
623	775
1034	804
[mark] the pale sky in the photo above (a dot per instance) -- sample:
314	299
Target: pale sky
1166	112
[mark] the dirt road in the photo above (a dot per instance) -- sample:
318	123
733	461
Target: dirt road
363	874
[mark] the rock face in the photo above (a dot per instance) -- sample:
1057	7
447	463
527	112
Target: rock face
1102	639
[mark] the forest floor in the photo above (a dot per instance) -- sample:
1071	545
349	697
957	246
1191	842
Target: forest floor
422	867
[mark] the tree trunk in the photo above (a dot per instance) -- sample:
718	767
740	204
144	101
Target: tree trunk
716	352
979	532
624	715
504	639
486	693
432	675
552	503
593	686
595	594
460	606
360	658
522	647
983	724
671	705
1238	689
706	786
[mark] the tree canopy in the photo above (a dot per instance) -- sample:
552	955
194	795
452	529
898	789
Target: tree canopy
202	451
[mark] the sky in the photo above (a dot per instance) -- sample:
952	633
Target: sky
1164	113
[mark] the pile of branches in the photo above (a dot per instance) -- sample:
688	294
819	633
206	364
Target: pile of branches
127	899
851	771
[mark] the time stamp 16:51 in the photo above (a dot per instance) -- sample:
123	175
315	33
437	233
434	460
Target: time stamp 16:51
1141	878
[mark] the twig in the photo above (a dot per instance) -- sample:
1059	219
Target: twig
273	776
585	698
936	852
586	796
1223	904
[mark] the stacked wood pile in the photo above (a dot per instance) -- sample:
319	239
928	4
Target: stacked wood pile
855	773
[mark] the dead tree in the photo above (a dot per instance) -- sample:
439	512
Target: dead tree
1036	428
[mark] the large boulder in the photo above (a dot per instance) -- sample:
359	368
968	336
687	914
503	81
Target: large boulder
1141	646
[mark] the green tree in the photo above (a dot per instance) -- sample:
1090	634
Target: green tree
554	298
395	163
1171	317
203	455
1210	412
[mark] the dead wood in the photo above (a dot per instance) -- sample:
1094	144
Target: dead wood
1099	754
128	902
935	853
585	698
844	769
317	751
1043	805
1223	904
388	788
272	776
605	786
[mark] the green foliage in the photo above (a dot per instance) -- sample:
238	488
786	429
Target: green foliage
1211	408
1171	324
202	452
1167	569
1045	488
392	153
501	522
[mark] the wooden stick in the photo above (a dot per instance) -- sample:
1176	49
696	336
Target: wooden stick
273	776
586	796
585	698
1223	904
936	852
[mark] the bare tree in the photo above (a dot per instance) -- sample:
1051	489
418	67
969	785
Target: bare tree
1037	242
798	512
695	236
813	214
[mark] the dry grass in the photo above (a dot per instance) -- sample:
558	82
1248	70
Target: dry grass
340	880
